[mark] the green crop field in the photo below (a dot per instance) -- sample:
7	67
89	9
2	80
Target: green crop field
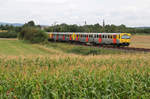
65	71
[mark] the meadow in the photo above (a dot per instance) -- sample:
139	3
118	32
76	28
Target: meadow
65	71
140	41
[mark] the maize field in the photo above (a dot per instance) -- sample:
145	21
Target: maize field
64	71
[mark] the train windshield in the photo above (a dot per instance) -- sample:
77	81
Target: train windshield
125	37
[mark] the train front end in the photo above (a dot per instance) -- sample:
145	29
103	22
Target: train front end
125	39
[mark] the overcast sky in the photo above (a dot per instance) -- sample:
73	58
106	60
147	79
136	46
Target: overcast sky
46	12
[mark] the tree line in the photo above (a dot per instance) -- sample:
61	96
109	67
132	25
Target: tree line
14	31
96	28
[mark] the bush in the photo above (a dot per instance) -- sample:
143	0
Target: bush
33	35
8	35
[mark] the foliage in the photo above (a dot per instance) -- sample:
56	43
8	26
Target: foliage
30	24
12	31
61	77
10	28
33	35
96	28
59	71
8	35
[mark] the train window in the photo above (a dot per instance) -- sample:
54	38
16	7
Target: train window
114	36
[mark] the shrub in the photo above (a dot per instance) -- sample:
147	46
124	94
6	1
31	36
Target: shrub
8	35
33	35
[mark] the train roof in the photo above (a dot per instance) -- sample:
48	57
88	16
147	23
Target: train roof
81	33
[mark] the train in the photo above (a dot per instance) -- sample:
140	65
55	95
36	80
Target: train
114	39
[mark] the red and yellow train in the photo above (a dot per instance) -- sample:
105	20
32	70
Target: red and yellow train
116	39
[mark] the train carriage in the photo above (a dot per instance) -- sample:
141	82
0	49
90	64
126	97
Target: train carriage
119	39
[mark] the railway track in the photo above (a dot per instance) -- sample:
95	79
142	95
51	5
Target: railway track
126	48
117	48
121	48
135	49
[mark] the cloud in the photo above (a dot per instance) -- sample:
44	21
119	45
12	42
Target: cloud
128	12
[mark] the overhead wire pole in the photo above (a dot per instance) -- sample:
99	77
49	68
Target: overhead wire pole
54	24
103	25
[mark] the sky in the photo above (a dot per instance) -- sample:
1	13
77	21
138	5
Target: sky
48	12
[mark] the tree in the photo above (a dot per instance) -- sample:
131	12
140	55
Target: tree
30	23
33	35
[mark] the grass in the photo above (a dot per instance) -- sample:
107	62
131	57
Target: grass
140	41
15	47
81	50
60	71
